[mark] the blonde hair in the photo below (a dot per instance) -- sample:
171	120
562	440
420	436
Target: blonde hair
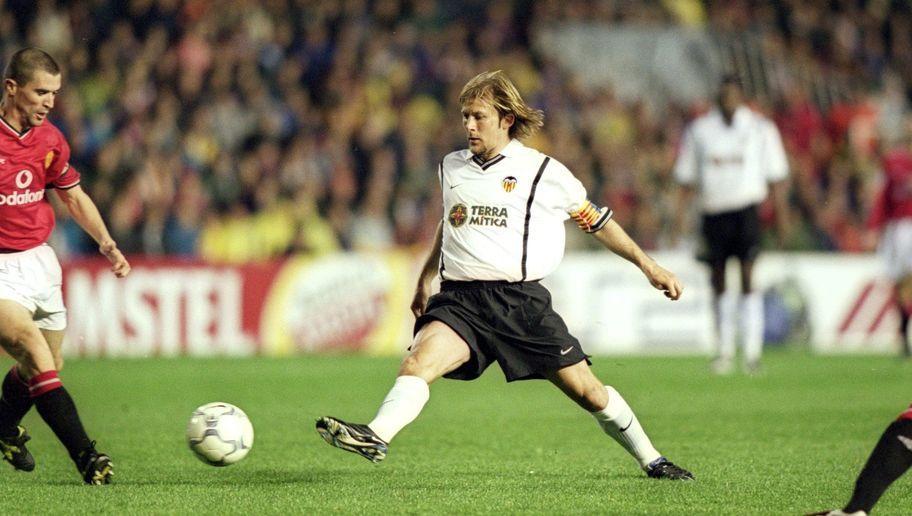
496	88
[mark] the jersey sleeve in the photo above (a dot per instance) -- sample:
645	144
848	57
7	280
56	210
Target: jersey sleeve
685	169
776	168
570	197
59	172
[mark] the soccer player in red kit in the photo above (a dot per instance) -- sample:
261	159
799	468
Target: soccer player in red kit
892	217
33	158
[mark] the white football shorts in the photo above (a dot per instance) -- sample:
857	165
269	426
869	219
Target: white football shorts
33	279
896	248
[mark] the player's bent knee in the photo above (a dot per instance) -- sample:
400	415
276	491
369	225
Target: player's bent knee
21	340
410	365
26	344
437	350
594	398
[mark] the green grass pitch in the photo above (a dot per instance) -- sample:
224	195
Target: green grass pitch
787	442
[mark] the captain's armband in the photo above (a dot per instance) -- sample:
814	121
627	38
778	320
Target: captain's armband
590	218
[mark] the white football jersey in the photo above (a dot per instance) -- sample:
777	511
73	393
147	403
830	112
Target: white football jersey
504	218
730	165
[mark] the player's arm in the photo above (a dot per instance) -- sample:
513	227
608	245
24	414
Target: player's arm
686	172
776	169
684	200
613	236
779	191
423	289
86	214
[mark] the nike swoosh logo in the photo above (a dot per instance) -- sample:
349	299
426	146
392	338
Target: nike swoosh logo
628	425
906	441
565	351
454	186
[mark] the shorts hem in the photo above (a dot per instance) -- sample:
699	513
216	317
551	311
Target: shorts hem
467	371
541	374
31	307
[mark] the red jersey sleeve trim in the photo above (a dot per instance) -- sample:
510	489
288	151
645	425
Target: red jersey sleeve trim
67	187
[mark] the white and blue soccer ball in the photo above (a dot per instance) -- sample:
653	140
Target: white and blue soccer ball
219	434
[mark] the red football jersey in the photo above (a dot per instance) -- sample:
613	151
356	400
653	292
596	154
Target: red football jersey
895	199
30	162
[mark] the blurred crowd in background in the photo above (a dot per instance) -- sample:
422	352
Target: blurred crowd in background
249	130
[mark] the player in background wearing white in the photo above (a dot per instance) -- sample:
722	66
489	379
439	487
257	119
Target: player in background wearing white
505	207
891	220
728	159
34	157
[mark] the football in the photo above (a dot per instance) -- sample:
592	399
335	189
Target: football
219	434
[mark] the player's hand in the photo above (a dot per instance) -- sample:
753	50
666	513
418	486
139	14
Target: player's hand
663	280
419	302
119	265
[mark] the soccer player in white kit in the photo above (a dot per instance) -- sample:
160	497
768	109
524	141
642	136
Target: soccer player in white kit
729	158
891	217
505	207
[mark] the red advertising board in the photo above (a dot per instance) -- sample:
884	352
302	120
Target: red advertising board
168	307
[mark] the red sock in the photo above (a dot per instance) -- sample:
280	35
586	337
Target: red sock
57	409
44	382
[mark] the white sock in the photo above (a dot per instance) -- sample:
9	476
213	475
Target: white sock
401	406
619	421
725	306
752	326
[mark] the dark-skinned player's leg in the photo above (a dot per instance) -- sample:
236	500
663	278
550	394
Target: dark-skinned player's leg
725	314
891	457
904	304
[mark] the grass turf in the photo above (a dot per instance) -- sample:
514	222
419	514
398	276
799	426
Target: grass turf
787	442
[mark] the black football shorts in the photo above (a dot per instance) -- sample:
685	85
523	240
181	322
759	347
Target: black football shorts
512	324
732	233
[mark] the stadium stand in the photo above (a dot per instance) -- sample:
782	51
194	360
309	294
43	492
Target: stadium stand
267	128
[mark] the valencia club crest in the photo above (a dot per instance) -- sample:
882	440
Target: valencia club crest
509	183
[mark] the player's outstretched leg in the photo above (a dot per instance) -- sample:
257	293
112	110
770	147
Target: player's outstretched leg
352	437
618	421
58	410
616	418
891	457
15	402
401	406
